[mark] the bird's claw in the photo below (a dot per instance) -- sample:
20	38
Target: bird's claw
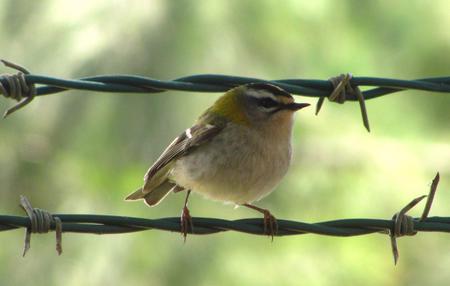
269	221
270	224
186	222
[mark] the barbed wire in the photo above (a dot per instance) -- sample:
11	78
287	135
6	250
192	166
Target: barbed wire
40	221
22	86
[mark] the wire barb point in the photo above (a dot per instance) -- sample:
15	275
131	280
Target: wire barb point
16	87
433	189
404	224
41	221
342	89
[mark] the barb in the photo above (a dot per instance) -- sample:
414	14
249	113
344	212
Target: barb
106	224
221	83
404	224
433	189
17	87
40	222
343	89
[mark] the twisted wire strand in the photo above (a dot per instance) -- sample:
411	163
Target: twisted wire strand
401	224
221	83
108	224
337	89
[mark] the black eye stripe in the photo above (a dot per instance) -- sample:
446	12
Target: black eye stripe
268	102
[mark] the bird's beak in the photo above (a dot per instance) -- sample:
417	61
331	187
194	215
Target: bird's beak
296	106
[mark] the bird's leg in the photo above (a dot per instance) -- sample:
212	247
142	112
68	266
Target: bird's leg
270	222
186	219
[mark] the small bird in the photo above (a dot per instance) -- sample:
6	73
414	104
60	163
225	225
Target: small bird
237	152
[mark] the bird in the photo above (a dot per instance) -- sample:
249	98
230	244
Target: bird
237	152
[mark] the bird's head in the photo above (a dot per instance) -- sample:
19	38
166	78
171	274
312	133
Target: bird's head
256	104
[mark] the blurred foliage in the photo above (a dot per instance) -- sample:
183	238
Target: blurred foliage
82	152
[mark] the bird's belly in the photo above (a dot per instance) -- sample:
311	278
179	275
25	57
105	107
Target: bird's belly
230	171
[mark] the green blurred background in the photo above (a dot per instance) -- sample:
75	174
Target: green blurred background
82	152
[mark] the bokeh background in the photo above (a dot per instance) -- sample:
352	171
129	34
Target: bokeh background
82	152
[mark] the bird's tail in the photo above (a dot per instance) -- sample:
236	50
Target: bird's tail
153	197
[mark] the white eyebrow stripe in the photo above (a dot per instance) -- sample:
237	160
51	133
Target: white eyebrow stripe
261	94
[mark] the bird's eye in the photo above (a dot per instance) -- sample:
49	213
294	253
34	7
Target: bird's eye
268	102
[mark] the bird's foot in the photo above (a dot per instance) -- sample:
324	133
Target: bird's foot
269	221
270	224
186	222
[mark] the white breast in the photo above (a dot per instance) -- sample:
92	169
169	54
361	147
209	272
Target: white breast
239	170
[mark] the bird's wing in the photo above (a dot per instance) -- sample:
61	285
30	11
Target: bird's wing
186	142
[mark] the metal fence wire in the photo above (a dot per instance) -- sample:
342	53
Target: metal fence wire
41	221
25	86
